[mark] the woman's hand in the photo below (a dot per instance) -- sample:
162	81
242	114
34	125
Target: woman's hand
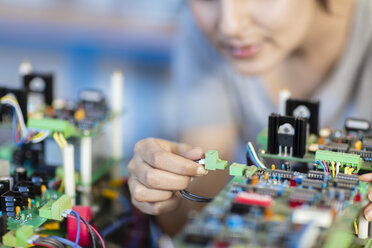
368	209
158	169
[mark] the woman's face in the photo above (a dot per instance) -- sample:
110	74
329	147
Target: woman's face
254	35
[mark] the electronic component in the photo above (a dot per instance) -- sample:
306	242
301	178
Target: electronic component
346	159
213	162
287	135
320	217
304	109
353	124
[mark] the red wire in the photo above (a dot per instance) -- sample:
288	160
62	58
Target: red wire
44	245
325	165
29	136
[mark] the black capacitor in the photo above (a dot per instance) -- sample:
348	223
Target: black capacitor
3	224
20	174
4	186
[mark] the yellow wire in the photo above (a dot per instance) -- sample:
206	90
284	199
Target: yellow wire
346	171
56	138
356	227
333	168
351	170
63	140
38	135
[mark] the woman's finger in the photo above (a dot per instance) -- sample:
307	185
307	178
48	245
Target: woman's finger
157	207
157	179
143	194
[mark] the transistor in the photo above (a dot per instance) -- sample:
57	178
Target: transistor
287	135
305	109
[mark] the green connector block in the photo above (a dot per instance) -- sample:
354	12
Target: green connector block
54	125
23	234
18	238
61	205
213	162
53	209
346	159
46	210
9	239
237	169
250	170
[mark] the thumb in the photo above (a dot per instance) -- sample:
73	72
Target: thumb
195	153
366	177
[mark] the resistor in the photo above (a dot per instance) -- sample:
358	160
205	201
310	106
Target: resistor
268	213
17	210
358	145
254	180
43	189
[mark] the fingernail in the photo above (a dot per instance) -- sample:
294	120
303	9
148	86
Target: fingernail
368	216
370	196
199	150
201	171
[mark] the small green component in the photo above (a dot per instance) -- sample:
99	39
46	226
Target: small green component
54	125
9	239
237	169
18	238
23	234
346	159
213	162
250	170
53	209
46	210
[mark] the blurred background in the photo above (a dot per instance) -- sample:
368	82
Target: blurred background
83	42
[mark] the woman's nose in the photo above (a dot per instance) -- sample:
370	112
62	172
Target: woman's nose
235	17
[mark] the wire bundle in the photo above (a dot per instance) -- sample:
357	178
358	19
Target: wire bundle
192	197
323	165
253	156
21	134
47	242
92	231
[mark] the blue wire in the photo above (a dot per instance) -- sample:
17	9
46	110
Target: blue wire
15	120
64	241
78	228
251	155
115	225
324	169
15	127
124	201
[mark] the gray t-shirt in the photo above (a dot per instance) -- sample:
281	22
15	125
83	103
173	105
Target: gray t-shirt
211	93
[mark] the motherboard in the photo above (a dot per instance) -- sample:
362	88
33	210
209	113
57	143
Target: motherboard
300	189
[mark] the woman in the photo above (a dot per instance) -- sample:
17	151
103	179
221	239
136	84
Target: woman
233	57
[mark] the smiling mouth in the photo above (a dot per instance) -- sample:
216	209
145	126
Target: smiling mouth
242	52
